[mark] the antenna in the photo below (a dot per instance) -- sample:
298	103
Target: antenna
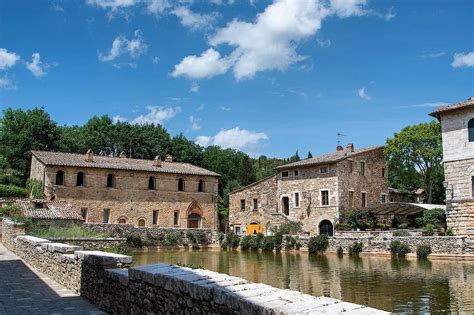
339	135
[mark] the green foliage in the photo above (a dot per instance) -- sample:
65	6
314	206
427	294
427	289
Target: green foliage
71	231
233	240
423	250
172	238
197	237
342	227
403	226
371	220
289	228
310	155
10	210
449	232
265	166
35	188
415	159
254	243
356	248
259	239
429	229
117	249
290	242
398	248
12	191
355	219
401	233
245	242
192	266
436	217
318	244
224	244
298	244
134	241
295	158
268	243
340	251
278	240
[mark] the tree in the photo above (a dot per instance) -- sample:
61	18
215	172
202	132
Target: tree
23	131
310	155
295	158
246	172
184	150
416	154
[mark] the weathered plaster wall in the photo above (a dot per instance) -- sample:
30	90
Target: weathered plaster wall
456	145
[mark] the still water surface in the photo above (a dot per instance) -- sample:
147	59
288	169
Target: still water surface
401	286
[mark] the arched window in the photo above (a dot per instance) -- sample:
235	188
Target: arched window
180	184
152	183
111	181
122	221
470	128
201	186
141	222
60	178
80	179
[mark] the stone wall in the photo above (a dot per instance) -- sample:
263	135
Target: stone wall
106	280
130	199
456	145
92	243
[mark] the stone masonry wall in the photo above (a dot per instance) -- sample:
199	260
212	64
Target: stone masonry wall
91	243
460	217
130	199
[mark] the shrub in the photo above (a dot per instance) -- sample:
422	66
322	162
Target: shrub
355	249
224	244
259	239
221	237
318	244
245	242
171	239
253	243
423	250
290	242
34	188
403	226
268	242
401	233
12	191
233	240
399	248
342	227
117	249
394	246
10	210
371	220
278	240
340	251
354	218
195	246
394	223
287	228
134	241
429	229
298	244
435	217
449	232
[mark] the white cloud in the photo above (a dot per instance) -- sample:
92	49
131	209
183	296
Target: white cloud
118	118
134	47
363	95
7	59
268	43
157	115
36	67
235	138
223	108
463	60
156	60
193	20
112	4
389	15
195	123
7	84
428	104
323	43
207	65
432	55
194	87
200	108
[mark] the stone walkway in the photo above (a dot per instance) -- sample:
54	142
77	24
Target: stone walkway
26	291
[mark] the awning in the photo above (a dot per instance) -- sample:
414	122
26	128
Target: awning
400	208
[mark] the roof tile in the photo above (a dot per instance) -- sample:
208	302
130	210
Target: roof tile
465	104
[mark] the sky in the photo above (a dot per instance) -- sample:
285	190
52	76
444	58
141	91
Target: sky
264	77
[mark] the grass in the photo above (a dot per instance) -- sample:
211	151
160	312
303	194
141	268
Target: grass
72	231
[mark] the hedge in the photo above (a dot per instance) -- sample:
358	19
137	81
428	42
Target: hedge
12	191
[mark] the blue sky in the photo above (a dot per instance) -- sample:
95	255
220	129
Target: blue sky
266	77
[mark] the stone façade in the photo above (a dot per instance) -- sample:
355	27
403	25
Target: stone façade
343	175
131	200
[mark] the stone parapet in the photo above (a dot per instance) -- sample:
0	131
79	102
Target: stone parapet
89	243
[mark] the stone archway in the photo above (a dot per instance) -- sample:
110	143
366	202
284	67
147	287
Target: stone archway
122	220
326	227
141	222
194	215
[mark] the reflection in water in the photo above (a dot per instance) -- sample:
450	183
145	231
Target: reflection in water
392	284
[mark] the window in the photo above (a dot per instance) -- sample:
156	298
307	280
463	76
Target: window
122	221
472	184
351	199
470	128
180	184
201	186
242	204
285	203
297	200
284	174
383	198
324	170
60	178
237	230
176	218
255	204
362	168
106	215
141	222
324	197
364	200
351	167
84	213
155	217
383	172
151	183
80	179
111	181
296	173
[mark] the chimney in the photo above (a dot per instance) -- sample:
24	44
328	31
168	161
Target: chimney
122	155
89	156
157	161
339	148
168	158
350	148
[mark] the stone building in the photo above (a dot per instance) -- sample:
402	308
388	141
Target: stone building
314	191
457	123
124	190
47	212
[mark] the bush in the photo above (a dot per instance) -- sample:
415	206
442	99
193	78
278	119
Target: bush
287	228
253	243
233	240
34	188
117	249
245	242
10	210
298	244
224	244
356	248
449	232
429	229
401	233
403	226
12	191
340	251
423	250
72	231
436	217
134	241
195	246
354	218
171	239
278	240
399	248
290	242
342	227
268	242
318	244
259	239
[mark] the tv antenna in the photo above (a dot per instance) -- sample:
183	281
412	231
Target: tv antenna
339	135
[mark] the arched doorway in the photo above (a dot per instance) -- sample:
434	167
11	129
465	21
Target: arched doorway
141	222
194	221
325	227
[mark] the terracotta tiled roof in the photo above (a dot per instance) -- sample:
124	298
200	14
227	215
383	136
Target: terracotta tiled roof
52	210
328	158
106	162
468	103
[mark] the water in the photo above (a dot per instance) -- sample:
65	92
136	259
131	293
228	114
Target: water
401	286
